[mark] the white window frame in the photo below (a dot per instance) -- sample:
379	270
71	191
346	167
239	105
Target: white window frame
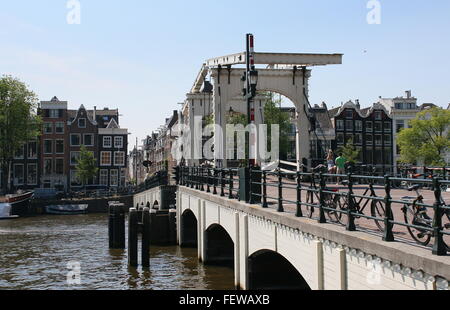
115	157
28	150
92	139
59	158
104	175
79	139
59	133
70	159
23	174
51	166
45	152
105	138
118	145
28	174
110	159
63	146
111	178
53	113
82	119
23	153
49	127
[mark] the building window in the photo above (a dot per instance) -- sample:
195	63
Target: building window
358	138
89	139
48	146
348	113
399	106
378	140
348	138
349	125
378	158
358	125
123	175
32	174
18	174
339	124
74	156
340	138
107	141
387	140
32	150
377	126
59	166
105	158
388	156
400	124
74	180
369	126
369	139
59	146
114	177
48	128
59	128
55	113
82	123
118	142
387	126
75	140
378	115
119	158
48	166
104	177
20	153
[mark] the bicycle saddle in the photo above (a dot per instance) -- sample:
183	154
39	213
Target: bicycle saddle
414	187
344	182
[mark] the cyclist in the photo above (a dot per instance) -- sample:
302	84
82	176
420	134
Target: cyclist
340	164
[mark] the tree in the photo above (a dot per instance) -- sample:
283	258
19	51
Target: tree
273	115
349	152
86	166
428	138
19	122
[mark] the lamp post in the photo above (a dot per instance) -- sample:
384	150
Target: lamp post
251	79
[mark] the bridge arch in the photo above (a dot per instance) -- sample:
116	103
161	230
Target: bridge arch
189	229
268	269
219	246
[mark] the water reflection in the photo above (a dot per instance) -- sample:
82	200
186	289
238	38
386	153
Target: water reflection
34	253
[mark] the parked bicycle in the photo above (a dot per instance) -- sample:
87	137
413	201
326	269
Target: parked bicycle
377	207
420	224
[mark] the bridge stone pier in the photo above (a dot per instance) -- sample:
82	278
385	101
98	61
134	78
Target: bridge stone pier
271	250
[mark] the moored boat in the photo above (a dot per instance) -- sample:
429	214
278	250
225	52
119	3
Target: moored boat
19	202
67	209
5	212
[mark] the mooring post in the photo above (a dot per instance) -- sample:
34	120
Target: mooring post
145	238
116	227
172	227
133	238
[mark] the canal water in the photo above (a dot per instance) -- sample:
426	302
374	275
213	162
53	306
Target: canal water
35	253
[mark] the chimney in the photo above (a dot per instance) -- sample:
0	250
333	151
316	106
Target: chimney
95	113
357	104
408	94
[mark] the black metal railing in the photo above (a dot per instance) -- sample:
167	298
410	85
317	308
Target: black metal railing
160	178
339	199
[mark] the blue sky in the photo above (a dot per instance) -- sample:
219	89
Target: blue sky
143	56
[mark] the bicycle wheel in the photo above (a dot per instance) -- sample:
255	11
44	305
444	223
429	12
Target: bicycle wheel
421	236
332	202
377	210
309	200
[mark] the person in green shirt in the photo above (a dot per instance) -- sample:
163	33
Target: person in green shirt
340	164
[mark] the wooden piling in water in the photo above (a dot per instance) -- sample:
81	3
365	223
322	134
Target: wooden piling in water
145	238
133	238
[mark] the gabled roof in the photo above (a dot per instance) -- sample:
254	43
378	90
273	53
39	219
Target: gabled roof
89	117
112	124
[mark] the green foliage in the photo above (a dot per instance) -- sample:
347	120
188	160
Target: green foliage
349	152
86	166
19	122
209	119
238	119
428	138
274	115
